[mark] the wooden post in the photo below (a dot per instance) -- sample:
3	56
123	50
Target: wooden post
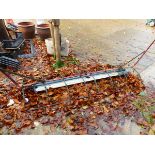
52	34
4	35
56	24
54	27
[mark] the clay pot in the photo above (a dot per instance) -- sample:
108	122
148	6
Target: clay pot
28	29
43	31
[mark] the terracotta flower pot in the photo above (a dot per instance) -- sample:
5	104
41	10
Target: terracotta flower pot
43	31
28	29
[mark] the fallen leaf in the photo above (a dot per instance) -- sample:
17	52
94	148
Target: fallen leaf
85	107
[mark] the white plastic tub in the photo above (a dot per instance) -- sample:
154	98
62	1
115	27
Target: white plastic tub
64	46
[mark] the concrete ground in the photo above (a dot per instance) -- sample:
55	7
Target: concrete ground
110	41
113	42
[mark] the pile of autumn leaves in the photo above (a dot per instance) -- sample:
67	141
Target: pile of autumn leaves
74	107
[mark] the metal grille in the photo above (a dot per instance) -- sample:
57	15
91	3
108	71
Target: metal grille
9	62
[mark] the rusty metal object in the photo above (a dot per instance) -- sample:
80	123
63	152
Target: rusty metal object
43	31
28	29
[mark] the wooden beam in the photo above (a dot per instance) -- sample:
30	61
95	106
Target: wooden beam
4	35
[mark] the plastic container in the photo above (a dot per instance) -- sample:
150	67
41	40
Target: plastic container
65	47
49	46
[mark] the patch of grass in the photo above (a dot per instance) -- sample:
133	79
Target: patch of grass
148	117
73	60
54	56
58	64
145	105
152	108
